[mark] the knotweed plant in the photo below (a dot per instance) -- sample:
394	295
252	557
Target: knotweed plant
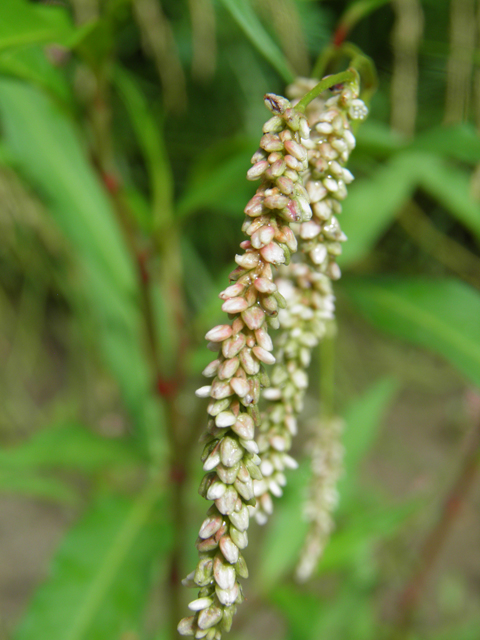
296	167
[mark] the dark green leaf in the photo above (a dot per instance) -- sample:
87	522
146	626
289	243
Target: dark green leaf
441	315
13	481
247	20
101	573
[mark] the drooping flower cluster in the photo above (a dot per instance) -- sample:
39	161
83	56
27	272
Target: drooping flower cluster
307	286
327	457
252	301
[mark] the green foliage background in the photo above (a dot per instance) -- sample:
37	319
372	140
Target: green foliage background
126	130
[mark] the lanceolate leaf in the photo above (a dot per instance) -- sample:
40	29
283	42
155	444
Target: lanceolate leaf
46	148
441	315
248	21
373	203
101	574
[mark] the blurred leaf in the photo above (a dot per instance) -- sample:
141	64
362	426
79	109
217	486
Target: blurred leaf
247	20
150	139
31	64
373	203
362	423
69	447
451	187
35	486
361	530
100	575
441	315
377	139
218	179
24	23
47	150
460	142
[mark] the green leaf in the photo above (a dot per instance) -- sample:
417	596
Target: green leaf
34	485
69	447
247	20
218	179
25	23
377	139
441	315
451	186
373	203
100	575
460	142
151	143
47	150
362	423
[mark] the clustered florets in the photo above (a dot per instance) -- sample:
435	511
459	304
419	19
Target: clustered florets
298	168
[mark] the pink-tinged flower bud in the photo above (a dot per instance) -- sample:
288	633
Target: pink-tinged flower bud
270	305
209	527
229	549
211	369
264	355
263	339
217	406
276	104
245	489
271	142
211	462
226	504
249	363
257	170
267	503
274	125
249	445
204	546
220	389
237	325
253	317
324	127
248	260
262	236
185	626
276	202
285	135
244	426
219	333
286	236
264	285
233	345
209	617
228	368
228	475
309	230
305	209
232	291
240	386
203	392
273	253
304	128
257	156
323	209
292	163
296	150
285	185
216	490
292	174
276	169
228	596
234	305
225	419
240	538
230	452
254	207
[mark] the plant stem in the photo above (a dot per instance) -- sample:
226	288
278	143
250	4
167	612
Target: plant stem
433	543
330	81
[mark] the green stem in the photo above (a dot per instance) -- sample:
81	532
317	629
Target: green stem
330	81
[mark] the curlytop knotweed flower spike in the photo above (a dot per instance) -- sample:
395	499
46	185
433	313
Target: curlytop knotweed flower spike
309	295
252	301
327	457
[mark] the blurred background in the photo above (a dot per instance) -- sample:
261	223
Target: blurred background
127	127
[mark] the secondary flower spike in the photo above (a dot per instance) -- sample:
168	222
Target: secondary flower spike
243	346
